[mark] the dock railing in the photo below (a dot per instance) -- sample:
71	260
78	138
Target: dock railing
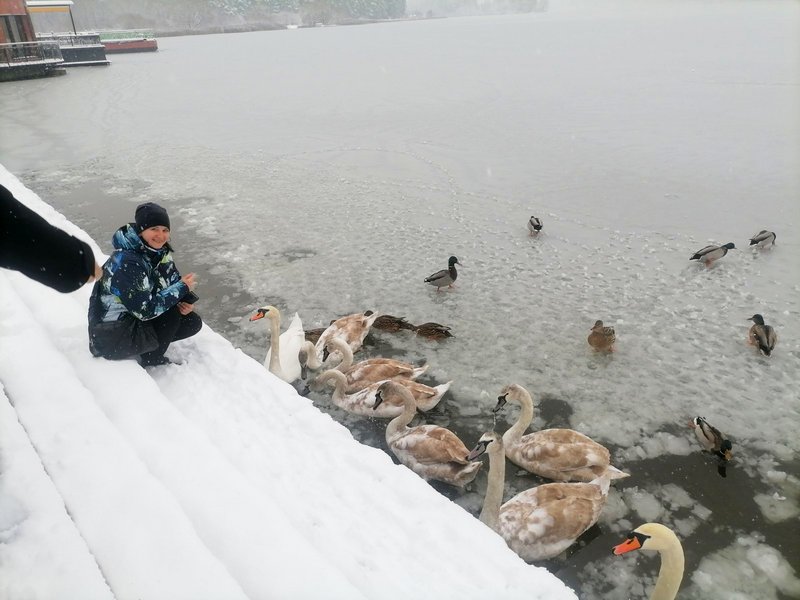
30	52
71	39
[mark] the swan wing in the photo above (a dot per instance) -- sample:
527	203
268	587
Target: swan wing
541	522
431	444
403	369
561	454
362	402
371	372
291	341
425	396
352	328
358	328
289	344
365	375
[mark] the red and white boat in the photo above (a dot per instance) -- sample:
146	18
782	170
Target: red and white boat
137	40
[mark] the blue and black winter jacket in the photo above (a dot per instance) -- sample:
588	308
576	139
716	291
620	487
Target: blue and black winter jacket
136	280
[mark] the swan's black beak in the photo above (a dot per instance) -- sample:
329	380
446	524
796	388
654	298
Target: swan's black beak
301	388
378	400
479	449
501	402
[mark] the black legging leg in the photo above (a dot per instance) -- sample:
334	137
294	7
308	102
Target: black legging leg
171	326
188	326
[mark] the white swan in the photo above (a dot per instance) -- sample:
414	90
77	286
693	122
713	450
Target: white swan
362	401
372	370
352	328
558	454
540	522
654	536
282	355
432	452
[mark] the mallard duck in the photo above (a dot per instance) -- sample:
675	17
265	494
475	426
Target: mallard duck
282	355
391	323
654	536
445	277
372	370
432	452
762	335
543	521
709	254
534	225
711	439
433	331
362	401
602	338
558	454
763	239
352	328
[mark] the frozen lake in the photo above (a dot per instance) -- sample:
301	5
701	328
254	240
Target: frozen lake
330	170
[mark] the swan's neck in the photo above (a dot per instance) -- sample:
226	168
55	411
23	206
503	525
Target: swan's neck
523	421
312	359
490	514
341	382
401	421
275	347
671	573
347	356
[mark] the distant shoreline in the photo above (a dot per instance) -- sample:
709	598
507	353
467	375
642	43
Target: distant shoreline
276	27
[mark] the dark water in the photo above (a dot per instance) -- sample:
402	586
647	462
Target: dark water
340	177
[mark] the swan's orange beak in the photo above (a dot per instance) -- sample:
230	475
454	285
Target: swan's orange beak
632	543
257	316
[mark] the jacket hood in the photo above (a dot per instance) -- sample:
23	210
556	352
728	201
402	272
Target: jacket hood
127	238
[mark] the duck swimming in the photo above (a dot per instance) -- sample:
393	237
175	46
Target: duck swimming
433	331
711	439
709	254
445	277
762	335
534	225
763	239
602	338
391	323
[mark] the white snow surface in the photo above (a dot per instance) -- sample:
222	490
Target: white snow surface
183	481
